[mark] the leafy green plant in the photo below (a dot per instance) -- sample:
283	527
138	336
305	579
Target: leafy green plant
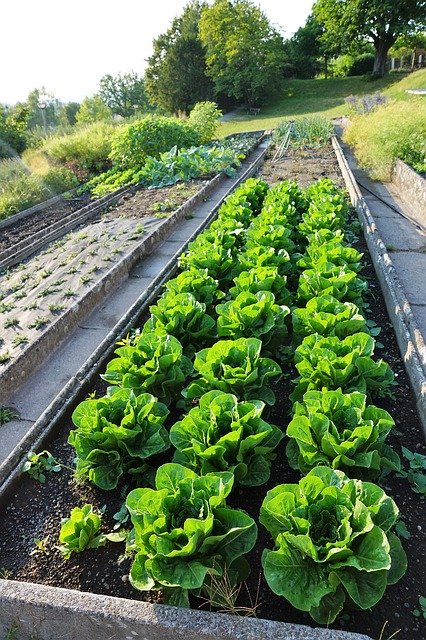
198	283
341	431
327	279
415	475
184	532
80	531
153	364
330	363
38	464
332	543
223	434
117	434
183	317
39	322
327	316
262	279
234	366
254	315
204	117
421	611
20	339
11	323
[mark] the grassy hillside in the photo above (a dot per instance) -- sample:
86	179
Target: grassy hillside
322	97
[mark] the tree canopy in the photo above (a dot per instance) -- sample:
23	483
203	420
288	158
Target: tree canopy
124	93
176	74
244	52
380	20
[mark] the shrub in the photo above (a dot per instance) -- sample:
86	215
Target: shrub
396	130
204	117
59	179
87	149
150	136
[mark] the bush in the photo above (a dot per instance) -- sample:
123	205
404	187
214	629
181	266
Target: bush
396	130
151	136
361	65
86	151
19	194
204	117
59	179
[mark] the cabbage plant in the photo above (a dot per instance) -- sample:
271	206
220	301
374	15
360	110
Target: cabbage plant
341	431
254	315
153	364
117	434
332	543
234	366
184	533
330	363
223	434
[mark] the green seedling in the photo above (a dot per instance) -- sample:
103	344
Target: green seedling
11	323
38	464
20	339
86	279
415	475
40	545
6	306
39	323
45	273
55	308
5	357
7	414
421	611
69	293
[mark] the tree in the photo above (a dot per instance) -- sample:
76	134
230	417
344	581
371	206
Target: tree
380	20
176	76
13	124
68	113
305	49
93	109
245	53
124	94
43	109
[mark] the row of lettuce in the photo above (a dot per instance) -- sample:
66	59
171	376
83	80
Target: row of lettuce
273	278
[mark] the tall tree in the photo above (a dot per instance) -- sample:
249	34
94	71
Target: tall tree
124	93
380	20
93	109
13	124
244	52
176	75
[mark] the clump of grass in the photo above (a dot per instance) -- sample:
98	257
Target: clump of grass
396	130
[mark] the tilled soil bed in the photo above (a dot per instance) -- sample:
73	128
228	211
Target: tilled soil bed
34	510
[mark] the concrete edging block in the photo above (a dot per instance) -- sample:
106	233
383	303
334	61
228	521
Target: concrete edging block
52	613
410	340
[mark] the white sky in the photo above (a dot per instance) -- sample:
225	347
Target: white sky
68	46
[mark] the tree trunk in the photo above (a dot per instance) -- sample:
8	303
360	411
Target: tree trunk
381	51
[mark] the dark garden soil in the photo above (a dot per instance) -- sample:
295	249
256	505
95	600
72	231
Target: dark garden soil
136	204
34	510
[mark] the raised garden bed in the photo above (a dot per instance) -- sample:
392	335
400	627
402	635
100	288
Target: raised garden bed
36	510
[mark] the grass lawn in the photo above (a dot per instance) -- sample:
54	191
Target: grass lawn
322	97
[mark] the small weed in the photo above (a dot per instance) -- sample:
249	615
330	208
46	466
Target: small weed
20	339
11	633
11	323
38	464
223	593
40	546
39	322
421	611
415	475
7	414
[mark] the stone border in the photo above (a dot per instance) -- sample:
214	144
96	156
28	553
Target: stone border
409	337
412	187
49	611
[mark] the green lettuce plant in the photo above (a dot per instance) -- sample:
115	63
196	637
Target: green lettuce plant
184	532
117	434
153	364
327	316
198	283
330	363
223	434
327	279
261	256
341	431
182	317
80	531
254	315
234	366
266	234
218	261
332	543
262	279
331	251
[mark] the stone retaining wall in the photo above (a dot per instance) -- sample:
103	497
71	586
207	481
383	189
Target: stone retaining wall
412	187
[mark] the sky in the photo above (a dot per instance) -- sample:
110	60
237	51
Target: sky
67	47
